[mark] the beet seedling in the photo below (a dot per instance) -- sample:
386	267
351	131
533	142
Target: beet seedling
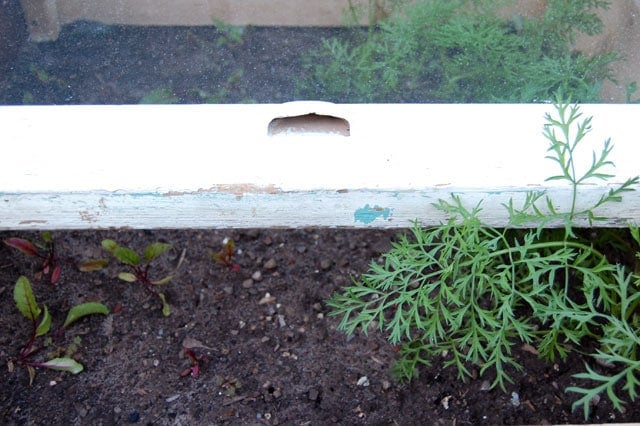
51	262
139	266
194	360
41	324
225	255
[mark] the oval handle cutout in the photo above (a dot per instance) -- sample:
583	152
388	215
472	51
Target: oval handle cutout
309	123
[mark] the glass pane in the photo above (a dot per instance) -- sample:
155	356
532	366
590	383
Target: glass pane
396	51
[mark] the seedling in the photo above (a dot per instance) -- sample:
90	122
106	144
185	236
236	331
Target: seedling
161	95
41	324
229	384
139	266
45	250
195	361
230	35
225	255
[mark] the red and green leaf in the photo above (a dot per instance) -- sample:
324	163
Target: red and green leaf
24	246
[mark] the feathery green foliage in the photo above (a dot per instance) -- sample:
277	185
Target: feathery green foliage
467	292
460	51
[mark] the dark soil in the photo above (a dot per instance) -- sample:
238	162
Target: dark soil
98	64
273	355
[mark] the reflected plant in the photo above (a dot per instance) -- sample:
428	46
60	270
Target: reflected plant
229	35
460	51
161	95
467	293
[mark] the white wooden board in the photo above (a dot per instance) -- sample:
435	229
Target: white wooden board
216	166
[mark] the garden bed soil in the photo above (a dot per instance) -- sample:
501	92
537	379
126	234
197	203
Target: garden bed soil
273	354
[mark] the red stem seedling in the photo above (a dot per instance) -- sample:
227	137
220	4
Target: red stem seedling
139	267
40	319
225	255
51	262
195	361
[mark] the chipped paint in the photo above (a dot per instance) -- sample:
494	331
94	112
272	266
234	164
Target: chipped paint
87	216
368	214
32	222
238	189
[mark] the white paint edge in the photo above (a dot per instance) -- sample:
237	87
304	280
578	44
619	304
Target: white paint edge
214	166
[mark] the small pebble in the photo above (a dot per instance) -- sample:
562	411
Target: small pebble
325	264
268	298
248	283
256	276
281	322
133	417
515	399
82	411
172	398
363	381
314	394
270	264
604	363
445	401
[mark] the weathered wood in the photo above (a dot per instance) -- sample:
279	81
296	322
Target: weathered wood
42	19
215	166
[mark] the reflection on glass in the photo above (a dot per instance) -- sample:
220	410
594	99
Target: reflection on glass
383	51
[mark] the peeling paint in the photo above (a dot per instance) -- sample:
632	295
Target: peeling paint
238	189
88	216
368	214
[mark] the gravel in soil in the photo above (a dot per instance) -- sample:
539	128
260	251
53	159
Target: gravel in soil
270	354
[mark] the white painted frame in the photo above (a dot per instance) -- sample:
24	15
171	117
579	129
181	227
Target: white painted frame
216	166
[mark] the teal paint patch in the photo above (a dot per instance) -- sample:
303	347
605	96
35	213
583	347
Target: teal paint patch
368	214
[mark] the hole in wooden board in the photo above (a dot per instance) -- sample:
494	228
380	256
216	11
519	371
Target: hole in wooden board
309	123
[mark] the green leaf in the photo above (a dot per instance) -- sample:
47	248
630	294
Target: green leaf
161	95
166	311
47	237
45	324
154	250
63	364
127	256
109	245
162	281
84	309
128	277
25	300
92	265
